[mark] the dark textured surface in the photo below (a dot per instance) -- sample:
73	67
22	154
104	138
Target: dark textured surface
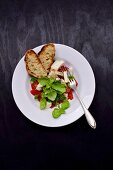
86	26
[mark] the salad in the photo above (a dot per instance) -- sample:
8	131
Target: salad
54	91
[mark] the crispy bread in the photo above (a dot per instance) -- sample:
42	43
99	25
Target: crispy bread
46	56
33	64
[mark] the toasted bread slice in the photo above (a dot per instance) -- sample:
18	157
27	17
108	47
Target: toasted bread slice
46	56
33	64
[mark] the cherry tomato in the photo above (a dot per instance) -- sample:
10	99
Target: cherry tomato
70	94
35	92
34	84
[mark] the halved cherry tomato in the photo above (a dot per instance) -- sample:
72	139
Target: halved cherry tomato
34	84
35	92
70	94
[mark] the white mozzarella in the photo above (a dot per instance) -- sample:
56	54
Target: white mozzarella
66	77
48	105
39	87
62	81
57	64
59	73
52	74
66	95
57	78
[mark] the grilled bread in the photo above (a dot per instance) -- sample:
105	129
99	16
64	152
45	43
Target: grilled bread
46	56
33	64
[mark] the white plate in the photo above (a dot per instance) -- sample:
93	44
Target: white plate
30	107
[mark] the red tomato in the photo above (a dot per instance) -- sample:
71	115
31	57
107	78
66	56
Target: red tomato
53	105
70	94
60	101
34	84
76	83
63	68
61	77
39	97
68	89
35	92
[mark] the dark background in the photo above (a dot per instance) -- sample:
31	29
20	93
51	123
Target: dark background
86	26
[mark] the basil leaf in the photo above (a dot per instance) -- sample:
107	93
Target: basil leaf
52	95
65	105
43	81
57	112
33	79
43	103
59	87
36	96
